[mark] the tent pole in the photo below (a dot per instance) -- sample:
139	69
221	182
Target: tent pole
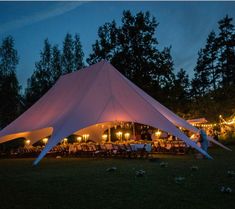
133	124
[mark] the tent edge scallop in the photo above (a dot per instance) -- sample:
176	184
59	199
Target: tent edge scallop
57	136
33	135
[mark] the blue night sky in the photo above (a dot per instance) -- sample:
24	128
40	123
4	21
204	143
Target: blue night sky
183	25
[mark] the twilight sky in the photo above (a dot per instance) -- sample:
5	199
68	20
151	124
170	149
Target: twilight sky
183	25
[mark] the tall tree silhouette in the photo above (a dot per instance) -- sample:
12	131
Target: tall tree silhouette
226	42
78	53
214	78
68	54
210	59
56	68
52	65
200	82
132	48
181	93
41	79
106	45
9	86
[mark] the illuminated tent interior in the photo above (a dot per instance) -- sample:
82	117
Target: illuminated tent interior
93	95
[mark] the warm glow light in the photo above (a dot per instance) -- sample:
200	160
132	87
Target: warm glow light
65	140
45	140
119	134
104	137
27	142
85	136
127	136
79	138
230	122
158	133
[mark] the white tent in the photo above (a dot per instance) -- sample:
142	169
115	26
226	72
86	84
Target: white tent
93	95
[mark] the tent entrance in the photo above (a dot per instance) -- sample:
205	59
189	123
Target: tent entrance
116	132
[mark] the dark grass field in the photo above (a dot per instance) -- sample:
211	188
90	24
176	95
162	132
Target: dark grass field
74	183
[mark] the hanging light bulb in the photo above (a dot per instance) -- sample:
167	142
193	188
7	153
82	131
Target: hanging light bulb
45	140
119	135
158	133
127	136
104	137
79	138
27	142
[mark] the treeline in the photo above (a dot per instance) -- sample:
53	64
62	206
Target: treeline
52	64
132	48
213	85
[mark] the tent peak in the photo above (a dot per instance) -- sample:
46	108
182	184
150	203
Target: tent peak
102	63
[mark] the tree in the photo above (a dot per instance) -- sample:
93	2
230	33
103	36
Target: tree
210	59
226	43
200	82
105	47
162	78
78	53
41	79
8	56
56	63
68	55
181	93
206	73
52	65
132	49
214	78
9	86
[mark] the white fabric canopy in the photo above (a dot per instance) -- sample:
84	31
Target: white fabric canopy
93	95
175	119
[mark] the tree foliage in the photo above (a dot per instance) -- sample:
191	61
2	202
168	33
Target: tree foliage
41	79
78	53
56	66
132	49
67	57
214	79
9	86
52	64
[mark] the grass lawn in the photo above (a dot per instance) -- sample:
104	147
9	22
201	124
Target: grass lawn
74	183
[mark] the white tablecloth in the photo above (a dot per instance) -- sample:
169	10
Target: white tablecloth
147	147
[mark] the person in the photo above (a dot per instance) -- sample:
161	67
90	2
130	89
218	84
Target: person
216	136
203	140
